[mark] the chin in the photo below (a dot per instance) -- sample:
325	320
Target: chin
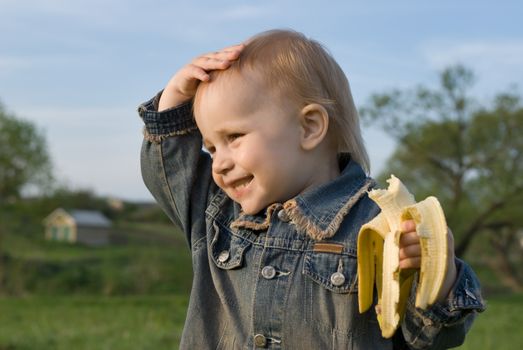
251	210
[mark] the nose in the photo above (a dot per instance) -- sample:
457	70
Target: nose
221	163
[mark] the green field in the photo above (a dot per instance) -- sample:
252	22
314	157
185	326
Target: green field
134	296
97	323
500	327
155	260
156	323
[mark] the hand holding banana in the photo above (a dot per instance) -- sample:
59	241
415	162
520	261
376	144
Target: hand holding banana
405	236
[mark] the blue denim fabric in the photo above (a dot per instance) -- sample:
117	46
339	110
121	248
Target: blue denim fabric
266	280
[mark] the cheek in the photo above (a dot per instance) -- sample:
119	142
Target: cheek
244	157
217	179
247	154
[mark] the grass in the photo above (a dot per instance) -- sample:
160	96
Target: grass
156	322
127	307
91	322
32	265
34	245
499	327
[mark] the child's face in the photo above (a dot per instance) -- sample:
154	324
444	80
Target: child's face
254	140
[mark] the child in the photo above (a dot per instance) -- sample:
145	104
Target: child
272	209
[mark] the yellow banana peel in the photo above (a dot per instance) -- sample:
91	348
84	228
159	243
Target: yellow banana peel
378	254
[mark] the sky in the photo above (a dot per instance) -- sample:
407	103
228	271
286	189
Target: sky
79	69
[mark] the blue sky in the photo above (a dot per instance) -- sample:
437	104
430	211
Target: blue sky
78	69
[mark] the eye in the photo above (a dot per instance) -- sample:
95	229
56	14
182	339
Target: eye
233	137
210	149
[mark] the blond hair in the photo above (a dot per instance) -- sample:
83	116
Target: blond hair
303	70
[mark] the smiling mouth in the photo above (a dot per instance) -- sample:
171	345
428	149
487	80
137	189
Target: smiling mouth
241	183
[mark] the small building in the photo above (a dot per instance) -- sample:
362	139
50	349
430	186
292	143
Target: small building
115	204
89	227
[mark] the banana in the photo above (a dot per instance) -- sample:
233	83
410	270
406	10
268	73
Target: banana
431	227
378	254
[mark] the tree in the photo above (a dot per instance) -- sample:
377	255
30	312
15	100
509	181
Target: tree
24	160
469	156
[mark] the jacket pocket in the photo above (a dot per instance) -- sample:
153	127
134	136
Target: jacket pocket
227	249
335	272
331	299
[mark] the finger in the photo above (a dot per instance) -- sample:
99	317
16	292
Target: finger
409	238
450	246
218	55
408	226
410	263
230	53
450	238
225	56
232	50
237	47
411	251
196	72
208	59
209	64
214	62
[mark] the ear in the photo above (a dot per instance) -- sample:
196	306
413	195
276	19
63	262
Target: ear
314	120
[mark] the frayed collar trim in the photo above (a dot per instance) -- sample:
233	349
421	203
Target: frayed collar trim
253	222
296	210
311	226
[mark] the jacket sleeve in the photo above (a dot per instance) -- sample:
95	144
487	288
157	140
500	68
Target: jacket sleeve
444	325
174	167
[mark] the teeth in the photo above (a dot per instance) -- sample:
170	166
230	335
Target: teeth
242	183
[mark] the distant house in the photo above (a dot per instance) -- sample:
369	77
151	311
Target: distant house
87	227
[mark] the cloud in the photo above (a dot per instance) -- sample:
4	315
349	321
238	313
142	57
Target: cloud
496	53
93	147
12	63
87	127
497	63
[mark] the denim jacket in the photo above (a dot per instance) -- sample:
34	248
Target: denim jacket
286	277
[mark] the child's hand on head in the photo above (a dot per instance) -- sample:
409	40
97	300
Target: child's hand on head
410	255
182	86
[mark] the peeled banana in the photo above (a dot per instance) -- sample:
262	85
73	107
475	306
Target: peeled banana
378	254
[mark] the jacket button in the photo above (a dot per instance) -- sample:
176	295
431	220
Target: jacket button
337	279
224	256
260	341
282	215
268	272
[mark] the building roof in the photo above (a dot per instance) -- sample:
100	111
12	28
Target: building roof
90	218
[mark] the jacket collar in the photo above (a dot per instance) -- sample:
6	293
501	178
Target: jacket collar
318	212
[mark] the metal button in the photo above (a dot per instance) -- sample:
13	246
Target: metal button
282	215
268	272
224	256
260	341
337	279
